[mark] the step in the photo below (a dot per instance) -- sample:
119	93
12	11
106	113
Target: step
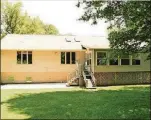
88	77
74	84
91	87
86	72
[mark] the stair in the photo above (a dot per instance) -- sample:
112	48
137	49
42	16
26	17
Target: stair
88	80
73	82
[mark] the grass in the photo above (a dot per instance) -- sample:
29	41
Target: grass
115	102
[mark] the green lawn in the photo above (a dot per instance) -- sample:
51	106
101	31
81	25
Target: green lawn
116	102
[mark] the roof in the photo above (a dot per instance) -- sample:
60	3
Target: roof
51	42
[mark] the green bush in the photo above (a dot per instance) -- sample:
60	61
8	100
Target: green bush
28	79
11	78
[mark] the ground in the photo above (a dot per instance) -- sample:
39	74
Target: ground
114	102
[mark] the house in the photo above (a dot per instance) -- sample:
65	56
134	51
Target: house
50	58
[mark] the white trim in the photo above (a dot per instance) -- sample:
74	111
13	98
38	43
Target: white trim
27	57
66	59
21	63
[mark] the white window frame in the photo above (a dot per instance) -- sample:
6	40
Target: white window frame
70	58
26	57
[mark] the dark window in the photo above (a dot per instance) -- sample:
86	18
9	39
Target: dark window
18	57
24	57
62	57
135	62
30	57
101	58
88	63
125	61
73	57
101	61
68	58
113	61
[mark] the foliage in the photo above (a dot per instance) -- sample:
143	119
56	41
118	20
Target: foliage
14	21
10	16
11	78
129	23
50	29
28	79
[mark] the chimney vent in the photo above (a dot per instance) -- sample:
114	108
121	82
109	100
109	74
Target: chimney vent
76	40
67	40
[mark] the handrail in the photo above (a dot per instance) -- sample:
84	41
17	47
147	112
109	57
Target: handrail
71	75
74	73
92	76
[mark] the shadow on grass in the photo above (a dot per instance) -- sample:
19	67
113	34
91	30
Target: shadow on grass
129	103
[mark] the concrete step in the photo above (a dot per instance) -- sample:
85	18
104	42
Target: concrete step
91	87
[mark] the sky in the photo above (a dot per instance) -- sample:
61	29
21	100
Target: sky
63	14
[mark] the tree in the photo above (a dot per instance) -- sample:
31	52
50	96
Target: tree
51	29
129	23
10	16
16	22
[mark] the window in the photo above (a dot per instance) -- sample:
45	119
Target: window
18	57
89	59
24	57
101	58
24	53
73	57
125	60
113	61
68	57
136	62
29	57
62	57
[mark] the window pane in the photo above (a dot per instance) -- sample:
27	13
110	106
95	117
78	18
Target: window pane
135	62
125	62
101	55
67	57
73	57
29	57
62	57
29	52
18	57
113	61
24	52
24	58
101	61
88	62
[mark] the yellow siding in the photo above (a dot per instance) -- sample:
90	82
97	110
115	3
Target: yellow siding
46	66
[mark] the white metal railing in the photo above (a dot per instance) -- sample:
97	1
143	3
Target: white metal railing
91	73
74	73
71	75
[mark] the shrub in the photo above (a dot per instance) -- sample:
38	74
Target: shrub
28	79
11	78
